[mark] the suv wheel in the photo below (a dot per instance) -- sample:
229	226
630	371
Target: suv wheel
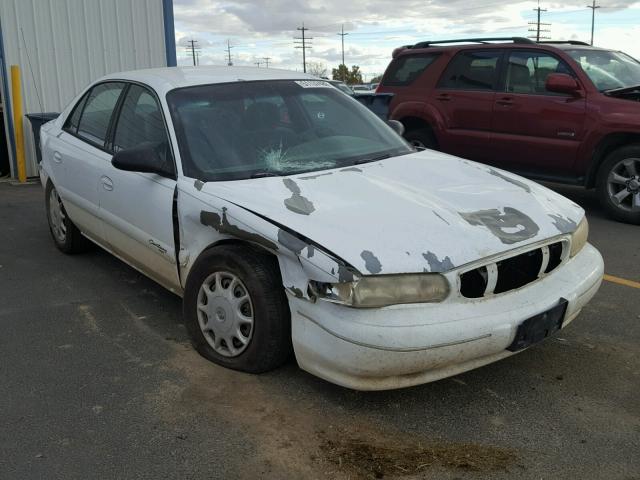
618	184
236	311
421	138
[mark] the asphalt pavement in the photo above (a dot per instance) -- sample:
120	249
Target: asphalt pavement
98	380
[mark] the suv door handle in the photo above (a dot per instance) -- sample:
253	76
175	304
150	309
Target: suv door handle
107	183
444	97
505	101
57	157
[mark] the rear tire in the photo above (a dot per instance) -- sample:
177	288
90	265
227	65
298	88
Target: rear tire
618	184
65	234
421	138
236	311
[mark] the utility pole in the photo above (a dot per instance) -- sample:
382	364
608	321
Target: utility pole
228	49
539	24
257	63
301	42
266	60
593	17
193	48
342	35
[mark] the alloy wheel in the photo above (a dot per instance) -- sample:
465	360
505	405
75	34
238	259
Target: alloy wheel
623	184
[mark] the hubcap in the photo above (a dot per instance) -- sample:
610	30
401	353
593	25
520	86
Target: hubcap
623	184
57	216
225	313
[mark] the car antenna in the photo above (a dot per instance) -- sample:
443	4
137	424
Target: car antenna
33	78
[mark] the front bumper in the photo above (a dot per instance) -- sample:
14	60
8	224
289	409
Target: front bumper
404	345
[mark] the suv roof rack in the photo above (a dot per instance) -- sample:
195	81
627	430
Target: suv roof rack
473	40
568	42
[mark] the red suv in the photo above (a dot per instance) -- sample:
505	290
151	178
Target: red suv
562	111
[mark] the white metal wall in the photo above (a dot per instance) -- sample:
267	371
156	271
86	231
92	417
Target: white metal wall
70	43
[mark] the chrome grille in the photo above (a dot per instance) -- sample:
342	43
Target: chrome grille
510	273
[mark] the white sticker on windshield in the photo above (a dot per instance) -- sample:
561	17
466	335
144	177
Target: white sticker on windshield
313	84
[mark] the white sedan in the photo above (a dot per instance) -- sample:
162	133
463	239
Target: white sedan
291	218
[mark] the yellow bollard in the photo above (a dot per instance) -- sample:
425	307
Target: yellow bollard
18	126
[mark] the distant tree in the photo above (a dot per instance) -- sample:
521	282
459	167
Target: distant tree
351	77
317	69
376	79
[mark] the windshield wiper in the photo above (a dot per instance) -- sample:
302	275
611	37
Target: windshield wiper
264	174
614	91
372	159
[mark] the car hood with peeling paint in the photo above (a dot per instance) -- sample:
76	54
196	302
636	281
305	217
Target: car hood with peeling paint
422	212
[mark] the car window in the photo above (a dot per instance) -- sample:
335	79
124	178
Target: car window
140	120
472	70
97	111
245	129
71	125
404	70
527	72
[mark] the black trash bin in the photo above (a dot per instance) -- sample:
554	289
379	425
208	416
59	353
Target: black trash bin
37	120
378	103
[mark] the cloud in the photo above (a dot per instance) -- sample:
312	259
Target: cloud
260	28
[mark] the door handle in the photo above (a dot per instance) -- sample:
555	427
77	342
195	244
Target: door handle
505	101
444	97
57	157
107	183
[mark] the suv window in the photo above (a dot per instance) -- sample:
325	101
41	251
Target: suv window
527	72
140	120
97	111
404	70
472	70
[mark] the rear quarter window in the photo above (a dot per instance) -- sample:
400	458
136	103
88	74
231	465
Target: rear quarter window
406	69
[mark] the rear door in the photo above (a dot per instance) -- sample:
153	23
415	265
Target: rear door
464	98
79	154
137	208
536	131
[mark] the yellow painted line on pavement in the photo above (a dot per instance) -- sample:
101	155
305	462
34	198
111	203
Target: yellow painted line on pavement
622	281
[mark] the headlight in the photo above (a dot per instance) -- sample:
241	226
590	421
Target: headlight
579	237
383	290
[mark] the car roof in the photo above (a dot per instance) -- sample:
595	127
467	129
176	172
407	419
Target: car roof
165	79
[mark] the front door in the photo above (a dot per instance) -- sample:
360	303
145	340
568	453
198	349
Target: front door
536	132
137	208
464	99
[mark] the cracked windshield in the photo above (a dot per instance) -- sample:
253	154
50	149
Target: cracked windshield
270	128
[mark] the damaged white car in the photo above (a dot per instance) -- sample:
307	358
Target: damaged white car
291	218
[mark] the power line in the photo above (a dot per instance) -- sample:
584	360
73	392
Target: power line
538	25
193	48
266	60
301	42
593	17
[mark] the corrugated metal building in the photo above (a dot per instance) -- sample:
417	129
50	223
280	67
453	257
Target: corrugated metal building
63	45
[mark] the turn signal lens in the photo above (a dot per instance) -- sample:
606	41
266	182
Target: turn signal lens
579	237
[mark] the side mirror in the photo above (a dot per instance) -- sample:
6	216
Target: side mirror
144	158
397	126
562	83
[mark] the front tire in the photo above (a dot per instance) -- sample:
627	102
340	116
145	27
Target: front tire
65	234
618	184
421	138
236	311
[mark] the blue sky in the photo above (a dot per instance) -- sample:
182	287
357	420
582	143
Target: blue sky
265	28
